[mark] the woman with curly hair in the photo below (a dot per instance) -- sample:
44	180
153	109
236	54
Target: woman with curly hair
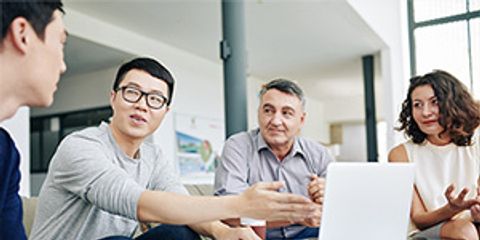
440	117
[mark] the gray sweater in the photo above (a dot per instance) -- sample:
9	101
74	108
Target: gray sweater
92	187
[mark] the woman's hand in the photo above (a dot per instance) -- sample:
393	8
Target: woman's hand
475	209
458	203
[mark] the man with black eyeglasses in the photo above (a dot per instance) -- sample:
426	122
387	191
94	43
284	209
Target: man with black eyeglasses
104	179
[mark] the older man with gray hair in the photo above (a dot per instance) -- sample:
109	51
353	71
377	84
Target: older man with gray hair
276	152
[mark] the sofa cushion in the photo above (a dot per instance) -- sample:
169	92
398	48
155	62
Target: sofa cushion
200	189
29	208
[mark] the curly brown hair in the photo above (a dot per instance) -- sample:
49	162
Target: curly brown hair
459	113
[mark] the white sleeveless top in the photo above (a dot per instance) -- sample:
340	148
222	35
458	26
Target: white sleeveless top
436	167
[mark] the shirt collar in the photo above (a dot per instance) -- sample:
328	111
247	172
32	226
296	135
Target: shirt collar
106	127
296	149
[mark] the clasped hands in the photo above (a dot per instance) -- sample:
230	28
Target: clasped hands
316	191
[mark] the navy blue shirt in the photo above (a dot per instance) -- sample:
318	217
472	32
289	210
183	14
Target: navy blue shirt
11	225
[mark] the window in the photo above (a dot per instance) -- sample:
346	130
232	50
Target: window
474	5
475	28
46	132
431	9
446	35
443	46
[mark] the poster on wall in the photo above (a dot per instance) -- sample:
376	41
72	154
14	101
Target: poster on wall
199	142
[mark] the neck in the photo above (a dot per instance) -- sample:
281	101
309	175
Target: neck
439	140
129	145
8	107
10	100
282	151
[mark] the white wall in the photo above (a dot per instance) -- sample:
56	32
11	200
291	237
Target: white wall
316	126
81	91
19	128
253	88
355	148
388	18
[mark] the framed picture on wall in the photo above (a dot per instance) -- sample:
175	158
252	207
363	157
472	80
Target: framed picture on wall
199	142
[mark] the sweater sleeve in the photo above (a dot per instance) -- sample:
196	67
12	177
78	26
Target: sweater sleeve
82	166
165	176
11	226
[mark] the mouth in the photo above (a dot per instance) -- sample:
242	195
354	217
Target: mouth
429	122
138	119
275	131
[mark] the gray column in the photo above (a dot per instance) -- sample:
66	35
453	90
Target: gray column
233	54
370	116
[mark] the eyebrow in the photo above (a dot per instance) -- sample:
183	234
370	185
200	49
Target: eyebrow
420	100
133	84
288	108
265	105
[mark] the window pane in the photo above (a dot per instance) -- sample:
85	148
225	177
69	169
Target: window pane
443	47
50	141
474	5
431	9
35	157
475	33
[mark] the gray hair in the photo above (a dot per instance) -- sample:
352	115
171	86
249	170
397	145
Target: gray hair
285	86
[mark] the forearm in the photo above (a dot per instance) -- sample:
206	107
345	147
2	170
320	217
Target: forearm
425	220
172	208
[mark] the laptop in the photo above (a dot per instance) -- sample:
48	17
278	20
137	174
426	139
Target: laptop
367	201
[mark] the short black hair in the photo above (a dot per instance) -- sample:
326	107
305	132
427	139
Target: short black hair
39	13
152	67
285	86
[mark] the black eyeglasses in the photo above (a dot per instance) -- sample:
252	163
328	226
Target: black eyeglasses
133	95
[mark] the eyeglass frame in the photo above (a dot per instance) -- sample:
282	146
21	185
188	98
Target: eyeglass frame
142	93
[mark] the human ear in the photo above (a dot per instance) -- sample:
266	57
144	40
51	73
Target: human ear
20	32
112	97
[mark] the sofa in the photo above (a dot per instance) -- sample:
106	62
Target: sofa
30	204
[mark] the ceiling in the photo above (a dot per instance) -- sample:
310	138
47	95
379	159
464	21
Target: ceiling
294	39
82	56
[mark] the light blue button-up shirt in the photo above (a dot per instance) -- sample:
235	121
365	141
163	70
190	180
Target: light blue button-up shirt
247	159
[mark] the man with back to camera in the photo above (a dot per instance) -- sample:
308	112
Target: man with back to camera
31	62
104	179
274	152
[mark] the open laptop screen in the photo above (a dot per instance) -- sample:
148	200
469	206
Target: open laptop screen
367	201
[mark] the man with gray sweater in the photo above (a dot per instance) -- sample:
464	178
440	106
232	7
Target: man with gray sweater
104	179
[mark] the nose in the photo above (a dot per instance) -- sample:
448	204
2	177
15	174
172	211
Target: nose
427	110
142	104
63	68
276	119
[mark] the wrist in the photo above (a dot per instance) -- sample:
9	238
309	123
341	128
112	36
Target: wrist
218	229
236	206
451	210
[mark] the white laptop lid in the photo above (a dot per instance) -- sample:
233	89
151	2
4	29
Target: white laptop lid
367	201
